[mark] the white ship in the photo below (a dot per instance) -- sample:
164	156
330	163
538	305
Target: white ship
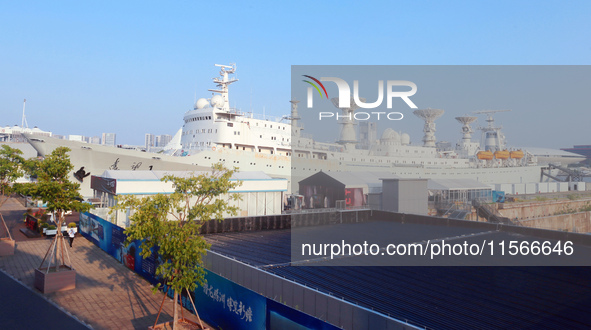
214	132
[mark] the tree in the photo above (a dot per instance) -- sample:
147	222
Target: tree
171	224
60	194
11	163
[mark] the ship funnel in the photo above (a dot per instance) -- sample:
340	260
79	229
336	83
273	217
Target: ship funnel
429	116
348	135
295	118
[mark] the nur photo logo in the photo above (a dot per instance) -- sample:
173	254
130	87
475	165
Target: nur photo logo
345	92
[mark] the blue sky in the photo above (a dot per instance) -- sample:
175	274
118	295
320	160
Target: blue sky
133	67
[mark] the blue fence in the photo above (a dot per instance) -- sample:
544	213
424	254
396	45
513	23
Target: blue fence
221	302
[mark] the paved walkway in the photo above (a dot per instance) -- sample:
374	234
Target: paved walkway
107	294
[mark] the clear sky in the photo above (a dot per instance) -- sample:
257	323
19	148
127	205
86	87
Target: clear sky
133	67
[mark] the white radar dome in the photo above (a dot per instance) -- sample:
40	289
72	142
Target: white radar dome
405	139
201	104
217	101
390	135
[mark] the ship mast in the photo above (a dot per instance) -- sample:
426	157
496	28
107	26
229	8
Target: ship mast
295	118
24	119
223	83
493	138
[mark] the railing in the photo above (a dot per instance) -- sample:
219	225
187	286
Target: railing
103	213
259	116
489	212
331	209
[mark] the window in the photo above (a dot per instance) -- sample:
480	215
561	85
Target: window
230	124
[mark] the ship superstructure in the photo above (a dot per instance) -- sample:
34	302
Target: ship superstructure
213	125
215	132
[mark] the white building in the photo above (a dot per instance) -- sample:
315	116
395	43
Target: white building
95	140
162	140
109	139
149	141
73	137
260	194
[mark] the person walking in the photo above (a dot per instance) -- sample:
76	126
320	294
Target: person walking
71	233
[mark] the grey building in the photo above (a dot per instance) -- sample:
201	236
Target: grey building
375	190
405	196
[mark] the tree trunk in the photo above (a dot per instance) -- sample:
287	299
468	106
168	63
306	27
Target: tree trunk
175	311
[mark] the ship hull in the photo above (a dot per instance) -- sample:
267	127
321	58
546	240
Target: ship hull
98	158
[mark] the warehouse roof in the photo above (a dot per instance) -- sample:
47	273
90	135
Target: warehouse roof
433	297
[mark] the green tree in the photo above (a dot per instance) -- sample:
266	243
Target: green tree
59	194
11	163
171	223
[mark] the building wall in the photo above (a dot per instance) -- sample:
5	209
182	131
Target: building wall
538	209
405	196
310	301
575	222
250	204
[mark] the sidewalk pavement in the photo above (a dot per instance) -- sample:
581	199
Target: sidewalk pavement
107	296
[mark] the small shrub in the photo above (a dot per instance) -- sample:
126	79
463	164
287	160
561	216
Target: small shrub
586	208
72	225
572	197
51	227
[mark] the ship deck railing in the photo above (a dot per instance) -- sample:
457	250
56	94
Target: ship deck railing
258	116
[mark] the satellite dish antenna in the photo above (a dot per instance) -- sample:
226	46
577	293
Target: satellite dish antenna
429	116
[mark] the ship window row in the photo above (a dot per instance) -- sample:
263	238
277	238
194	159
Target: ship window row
198	118
197	144
210	130
271	126
274	138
